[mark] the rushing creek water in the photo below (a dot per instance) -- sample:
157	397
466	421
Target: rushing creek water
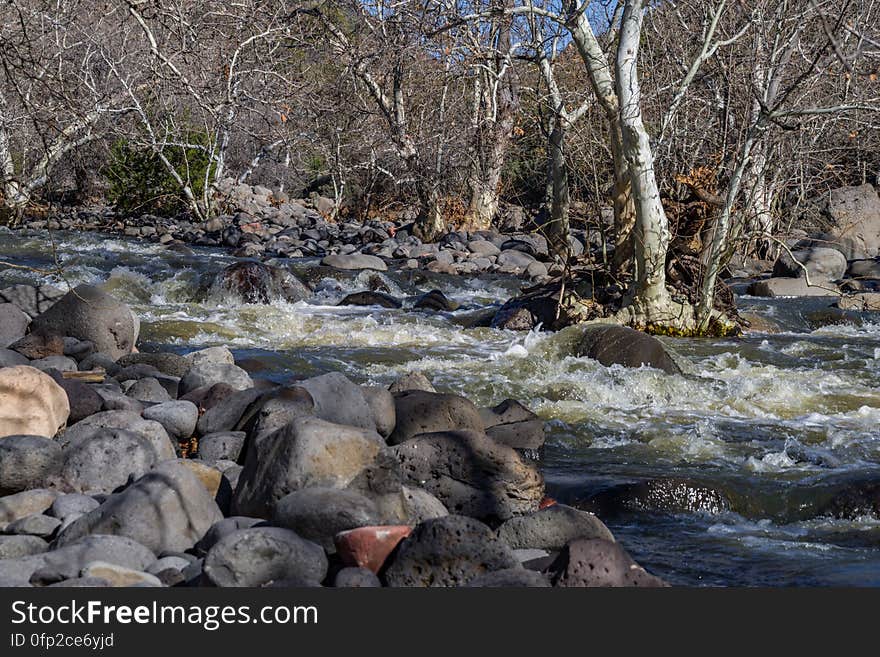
774	423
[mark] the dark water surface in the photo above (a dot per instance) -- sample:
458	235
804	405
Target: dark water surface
774	424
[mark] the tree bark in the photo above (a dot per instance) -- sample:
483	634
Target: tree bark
559	202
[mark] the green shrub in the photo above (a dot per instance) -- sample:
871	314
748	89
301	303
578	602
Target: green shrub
139	182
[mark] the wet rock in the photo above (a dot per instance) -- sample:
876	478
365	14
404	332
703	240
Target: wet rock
256	282
448	551
261	555
207	374
471	474
306	452
411	381
510	578
338	400
222	445
821	263
667	495
15	547
355	261
88	313
27	462
832	317
854	501
177	417
420	412
435	300
31	403
527	313
168	509
105	459
611	344
356	578
370	299
31	299
552	528
507	412
525	436
26	503
319	514
381	403
792	287
598	562
13	324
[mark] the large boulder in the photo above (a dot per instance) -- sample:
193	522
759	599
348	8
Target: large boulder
854	216
255	282
31	403
418	411
448	551
262	555
821	263
552	528
792	287
612	344
89	313
166	510
592	562
26	462
471	474
306	452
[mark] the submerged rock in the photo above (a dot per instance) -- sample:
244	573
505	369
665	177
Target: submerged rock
256	282
370	299
612	344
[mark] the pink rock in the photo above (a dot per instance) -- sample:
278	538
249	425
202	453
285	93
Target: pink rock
369	547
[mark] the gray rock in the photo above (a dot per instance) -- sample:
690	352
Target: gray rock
510	578
68	561
88	313
225	407
419	412
83	399
471	474
168	509
598	562
34	525
421	505
483	248
177	417
411	381
31	299
25	503
148	389
507	412
26	462
369	298
217	355
177	563
274	410
821	263
448	551
552	528
854	214
222	445
354	261
318	514
338	400
381	402
261	555
60	363
306	452
10	358
72	504
165	362
612	344
223	528
128	420
792	287
526	436
514	262
13	324
15	547
356	578
207	374
103	460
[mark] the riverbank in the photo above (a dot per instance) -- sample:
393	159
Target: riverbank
752	442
